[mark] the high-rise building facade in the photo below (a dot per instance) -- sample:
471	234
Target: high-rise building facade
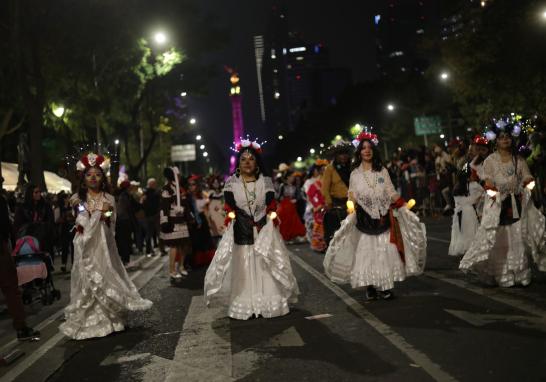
294	76
400	27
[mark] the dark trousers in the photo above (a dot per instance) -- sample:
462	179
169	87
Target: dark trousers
333	218
124	228
67	245
10	288
152	232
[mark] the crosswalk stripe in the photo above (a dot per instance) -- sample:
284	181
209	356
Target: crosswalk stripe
58	337
203	352
420	358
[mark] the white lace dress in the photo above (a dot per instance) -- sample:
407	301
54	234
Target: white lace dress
253	279
101	292
371	259
465	219
499	253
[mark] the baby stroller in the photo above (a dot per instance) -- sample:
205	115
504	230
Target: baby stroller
34	269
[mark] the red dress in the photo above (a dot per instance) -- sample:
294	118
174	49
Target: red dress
291	225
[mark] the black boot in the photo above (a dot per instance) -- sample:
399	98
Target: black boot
371	293
28	334
386	294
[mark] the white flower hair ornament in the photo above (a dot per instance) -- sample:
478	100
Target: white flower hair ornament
512	124
245	143
366	136
93	160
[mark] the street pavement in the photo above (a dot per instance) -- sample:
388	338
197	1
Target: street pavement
442	326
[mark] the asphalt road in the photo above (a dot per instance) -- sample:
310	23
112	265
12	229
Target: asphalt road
441	326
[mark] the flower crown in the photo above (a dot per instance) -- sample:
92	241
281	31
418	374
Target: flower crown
93	160
480	140
322	162
245	143
512	124
366	135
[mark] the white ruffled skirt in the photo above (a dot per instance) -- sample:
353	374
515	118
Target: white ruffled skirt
101	292
499	255
362	260
252	279
462	234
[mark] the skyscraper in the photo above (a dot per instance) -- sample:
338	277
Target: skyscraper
400	27
294	76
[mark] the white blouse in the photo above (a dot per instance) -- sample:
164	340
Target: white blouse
252	201
372	190
503	174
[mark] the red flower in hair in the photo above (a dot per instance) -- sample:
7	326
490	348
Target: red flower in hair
366	136
480	140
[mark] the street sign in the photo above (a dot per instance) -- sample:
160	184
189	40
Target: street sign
183	153
427	125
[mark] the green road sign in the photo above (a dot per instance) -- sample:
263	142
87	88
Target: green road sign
427	125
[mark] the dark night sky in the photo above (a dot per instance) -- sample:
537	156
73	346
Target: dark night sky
344	26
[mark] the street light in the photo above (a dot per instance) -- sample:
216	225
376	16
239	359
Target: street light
280	137
205	154
116	142
193	121
444	76
58	111
198	138
183	94
202	147
544	15
160	38
312	151
299	159
390	107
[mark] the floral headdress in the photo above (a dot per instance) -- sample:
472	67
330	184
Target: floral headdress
512	124
366	135
245	143
322	162
93	160
480	140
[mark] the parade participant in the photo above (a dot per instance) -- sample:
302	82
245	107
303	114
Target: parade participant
175	217
335	185
511	226
444	171
251	271
313	174
381	241
101	292
468	195
292	228
64	218
317	202
151	202
203	247
216	207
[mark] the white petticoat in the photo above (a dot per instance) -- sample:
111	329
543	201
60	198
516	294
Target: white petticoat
463	234
361	259
101	292
252	279
499	254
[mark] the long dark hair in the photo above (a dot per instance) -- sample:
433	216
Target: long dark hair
377	163
261	169
28	201
82	187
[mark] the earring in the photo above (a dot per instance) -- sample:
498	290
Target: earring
257	170
238	171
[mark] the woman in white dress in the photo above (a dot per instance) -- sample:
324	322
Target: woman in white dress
511	226
251	272
101	292
381	241
468	194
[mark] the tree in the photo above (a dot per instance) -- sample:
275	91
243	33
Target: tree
499	63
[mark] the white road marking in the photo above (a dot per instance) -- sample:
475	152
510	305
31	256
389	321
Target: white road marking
432	238
318	316
203	352
482	319
418	357
27	362
495	294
